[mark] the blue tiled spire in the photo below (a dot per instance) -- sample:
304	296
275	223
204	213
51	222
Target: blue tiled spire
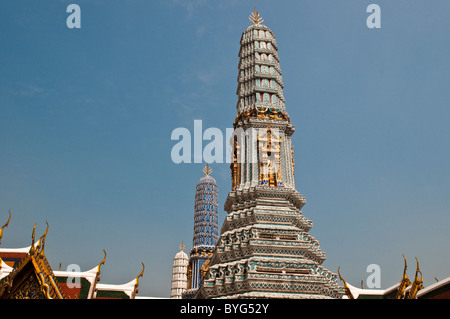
206	230
206	212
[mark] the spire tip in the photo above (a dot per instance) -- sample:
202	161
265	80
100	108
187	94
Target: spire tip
255	18
207	170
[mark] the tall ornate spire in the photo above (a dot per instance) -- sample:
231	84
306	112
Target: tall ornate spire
260	84
264	250
261	110
179	274
206	232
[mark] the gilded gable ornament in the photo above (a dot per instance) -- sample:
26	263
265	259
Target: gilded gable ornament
29	289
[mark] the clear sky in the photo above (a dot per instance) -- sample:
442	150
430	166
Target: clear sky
86	117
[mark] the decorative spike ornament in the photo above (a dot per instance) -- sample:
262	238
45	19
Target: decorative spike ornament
5	225
255	17
207	170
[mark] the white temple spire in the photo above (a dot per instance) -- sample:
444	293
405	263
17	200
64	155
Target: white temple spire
179	274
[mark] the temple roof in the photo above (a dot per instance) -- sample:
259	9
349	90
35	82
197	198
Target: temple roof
30	266
31	276
438	290
121	291
12	256
359	293
80	284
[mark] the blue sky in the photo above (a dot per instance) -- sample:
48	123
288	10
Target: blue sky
86	117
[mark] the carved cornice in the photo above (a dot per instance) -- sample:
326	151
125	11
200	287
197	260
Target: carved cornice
249	197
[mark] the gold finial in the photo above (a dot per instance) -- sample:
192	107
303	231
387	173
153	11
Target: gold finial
207	170
404	283
140	275
181	246
42	240
32	249
346	289
136	285
6	225
255	18
417	284
102	262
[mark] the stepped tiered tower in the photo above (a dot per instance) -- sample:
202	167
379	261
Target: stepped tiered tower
264	250
206	231
179	274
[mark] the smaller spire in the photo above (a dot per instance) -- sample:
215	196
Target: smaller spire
181	246
255	18
207	170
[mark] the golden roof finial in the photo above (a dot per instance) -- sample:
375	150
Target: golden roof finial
101	263
42	240
136	284
207	170
346	289
255	18
6	225
417	284
32	249
181	246
404	283
140	275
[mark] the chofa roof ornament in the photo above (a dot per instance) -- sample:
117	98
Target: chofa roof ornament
346	288
5	225
404	283
101	263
